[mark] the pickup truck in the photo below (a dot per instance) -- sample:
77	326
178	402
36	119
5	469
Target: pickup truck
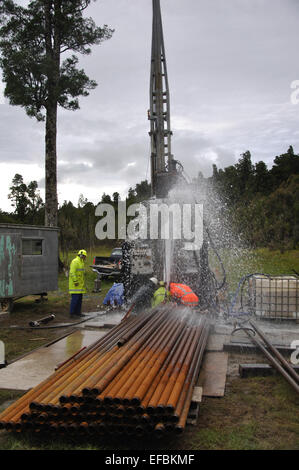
107	266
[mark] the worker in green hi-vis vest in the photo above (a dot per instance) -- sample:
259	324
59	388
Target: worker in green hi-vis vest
161	294
77	283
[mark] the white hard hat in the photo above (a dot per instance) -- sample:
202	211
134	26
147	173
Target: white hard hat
154	280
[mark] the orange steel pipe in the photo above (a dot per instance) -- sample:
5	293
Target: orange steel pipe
171	396
167	376
74	383
141	391
153	365
195	363
66	379
126	336
109	394
89	362
141	408
140	370
23	402
102	380
183	406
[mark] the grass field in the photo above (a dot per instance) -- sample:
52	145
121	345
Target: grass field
256	413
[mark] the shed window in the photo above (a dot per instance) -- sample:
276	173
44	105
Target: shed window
32	247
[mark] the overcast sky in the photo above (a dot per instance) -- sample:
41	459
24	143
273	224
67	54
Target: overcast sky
230	64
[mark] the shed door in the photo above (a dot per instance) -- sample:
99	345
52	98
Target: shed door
10	264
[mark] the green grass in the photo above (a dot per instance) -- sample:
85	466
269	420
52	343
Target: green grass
240	262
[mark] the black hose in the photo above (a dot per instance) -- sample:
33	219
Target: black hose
60	325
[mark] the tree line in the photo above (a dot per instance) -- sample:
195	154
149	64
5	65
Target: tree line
260	204
76	221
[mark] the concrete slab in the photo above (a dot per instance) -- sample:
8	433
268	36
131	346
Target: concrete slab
105	319
215	342
38	365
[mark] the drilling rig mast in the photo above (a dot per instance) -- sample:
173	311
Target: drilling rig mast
163	166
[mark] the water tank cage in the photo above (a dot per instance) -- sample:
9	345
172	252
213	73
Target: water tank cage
274	297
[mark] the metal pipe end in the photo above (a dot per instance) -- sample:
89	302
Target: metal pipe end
159	429
34	405
25	417
73	398
108	400
169	409
135	401
174	418
160	409
64	399
150	410
140	410
117	400
179	429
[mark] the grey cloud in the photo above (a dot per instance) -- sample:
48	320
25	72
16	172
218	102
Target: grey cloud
230	66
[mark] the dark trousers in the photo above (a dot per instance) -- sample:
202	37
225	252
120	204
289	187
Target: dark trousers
76	304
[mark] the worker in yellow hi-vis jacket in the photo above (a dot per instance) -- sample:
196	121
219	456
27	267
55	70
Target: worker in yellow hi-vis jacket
77	283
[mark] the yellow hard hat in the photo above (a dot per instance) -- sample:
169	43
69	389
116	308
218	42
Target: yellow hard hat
82	252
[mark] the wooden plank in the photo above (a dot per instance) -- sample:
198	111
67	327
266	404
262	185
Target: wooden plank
194	407
197	394
212	377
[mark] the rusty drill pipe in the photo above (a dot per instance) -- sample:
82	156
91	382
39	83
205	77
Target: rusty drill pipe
128	335
276	353
275	363
89	360
194	369
197	357
174	387
139	369
168	352
95	378
109	394
51	395
143	405
138	394
180	353
131	347
75	382
22	402
63	383
191	381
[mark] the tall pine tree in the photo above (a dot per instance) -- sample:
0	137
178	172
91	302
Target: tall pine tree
38	77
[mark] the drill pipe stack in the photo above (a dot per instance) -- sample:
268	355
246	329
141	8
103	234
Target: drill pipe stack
137	379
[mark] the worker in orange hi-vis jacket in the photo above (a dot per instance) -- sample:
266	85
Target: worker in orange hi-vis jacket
183	294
